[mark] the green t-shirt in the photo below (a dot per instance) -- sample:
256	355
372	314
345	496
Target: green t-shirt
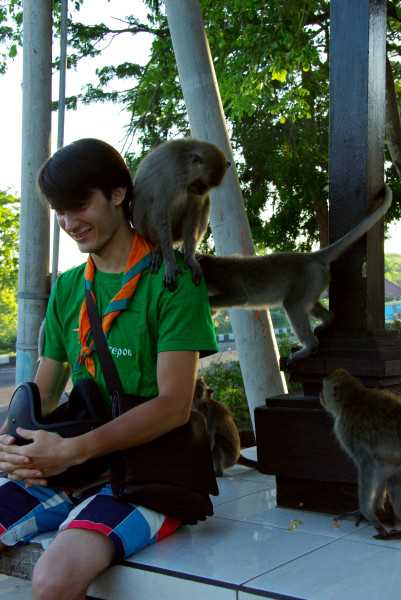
155	321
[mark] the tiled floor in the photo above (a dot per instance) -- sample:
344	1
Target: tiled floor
252	549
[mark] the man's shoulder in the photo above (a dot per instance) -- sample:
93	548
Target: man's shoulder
70	278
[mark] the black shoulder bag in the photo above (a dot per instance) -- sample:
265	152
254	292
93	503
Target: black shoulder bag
173	474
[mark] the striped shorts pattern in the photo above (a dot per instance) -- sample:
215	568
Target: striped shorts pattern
26	512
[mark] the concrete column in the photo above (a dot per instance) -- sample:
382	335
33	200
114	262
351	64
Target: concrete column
34	221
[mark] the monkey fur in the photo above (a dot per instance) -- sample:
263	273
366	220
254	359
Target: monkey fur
367	424
294	280
222	430
171	200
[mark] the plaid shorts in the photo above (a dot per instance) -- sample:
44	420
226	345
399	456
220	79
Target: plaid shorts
26	512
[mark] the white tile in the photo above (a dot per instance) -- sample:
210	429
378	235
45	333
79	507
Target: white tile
228	551
342	570
122	583
259	507
241	472
14	588
231	488
253	507
251	453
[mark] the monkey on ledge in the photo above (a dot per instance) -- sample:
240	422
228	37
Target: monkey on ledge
367	424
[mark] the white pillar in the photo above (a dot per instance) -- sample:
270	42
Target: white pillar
254	335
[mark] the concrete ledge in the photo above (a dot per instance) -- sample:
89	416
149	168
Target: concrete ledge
19	561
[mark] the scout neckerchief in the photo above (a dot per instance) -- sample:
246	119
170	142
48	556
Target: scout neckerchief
138	260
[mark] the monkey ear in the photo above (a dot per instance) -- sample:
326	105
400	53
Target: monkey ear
196	158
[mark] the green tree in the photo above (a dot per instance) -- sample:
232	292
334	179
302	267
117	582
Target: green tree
9	229
272	68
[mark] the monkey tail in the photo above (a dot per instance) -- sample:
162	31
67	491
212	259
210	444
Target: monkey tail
332	252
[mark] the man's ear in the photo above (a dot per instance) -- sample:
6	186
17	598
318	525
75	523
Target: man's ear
118	195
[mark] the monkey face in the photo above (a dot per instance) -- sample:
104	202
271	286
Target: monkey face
208	167
336	389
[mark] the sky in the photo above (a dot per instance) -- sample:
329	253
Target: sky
105	121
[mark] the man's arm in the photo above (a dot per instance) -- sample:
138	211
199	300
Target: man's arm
51	454
176	376
51	379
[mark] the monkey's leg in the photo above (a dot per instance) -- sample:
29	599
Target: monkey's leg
218	460
156	260
394	496
299	320
171	270
371	488
324	315
189	236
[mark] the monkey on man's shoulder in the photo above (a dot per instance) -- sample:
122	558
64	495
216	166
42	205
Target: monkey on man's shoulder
223	433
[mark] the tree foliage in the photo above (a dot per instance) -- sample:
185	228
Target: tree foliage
392	268
9	235
272	67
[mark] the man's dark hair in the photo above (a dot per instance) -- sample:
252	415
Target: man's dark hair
68	178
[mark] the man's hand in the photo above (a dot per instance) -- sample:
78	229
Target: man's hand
48	454
15	465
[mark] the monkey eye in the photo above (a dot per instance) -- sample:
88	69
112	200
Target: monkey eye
228	164
197	159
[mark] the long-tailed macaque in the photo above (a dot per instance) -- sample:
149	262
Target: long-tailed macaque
367	423
294	280
222	430
171	202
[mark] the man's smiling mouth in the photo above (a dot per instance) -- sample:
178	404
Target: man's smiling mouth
82	234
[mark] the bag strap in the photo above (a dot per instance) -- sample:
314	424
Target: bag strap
110	372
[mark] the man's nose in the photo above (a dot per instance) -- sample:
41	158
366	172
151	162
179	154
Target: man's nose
67	221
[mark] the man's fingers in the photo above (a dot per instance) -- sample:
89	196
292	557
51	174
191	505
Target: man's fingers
6	439
25	474
36	481
13	459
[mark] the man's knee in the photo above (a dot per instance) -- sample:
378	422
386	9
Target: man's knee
70	564
45	585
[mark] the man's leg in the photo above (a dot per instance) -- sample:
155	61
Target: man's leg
70	564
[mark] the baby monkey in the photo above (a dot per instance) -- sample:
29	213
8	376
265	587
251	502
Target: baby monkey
222	430
294	280
171	200
367	424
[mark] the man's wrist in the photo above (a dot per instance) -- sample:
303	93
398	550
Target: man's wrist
75	450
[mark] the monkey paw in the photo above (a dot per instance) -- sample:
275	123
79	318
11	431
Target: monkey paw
170	277
195	268
155	261
391	534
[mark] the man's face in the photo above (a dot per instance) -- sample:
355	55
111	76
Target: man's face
94	224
